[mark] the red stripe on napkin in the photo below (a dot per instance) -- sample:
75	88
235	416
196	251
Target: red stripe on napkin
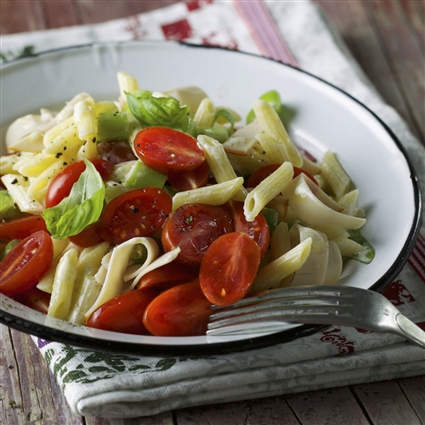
417	258
264	30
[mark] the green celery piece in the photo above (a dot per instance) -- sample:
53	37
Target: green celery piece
272	97
140	175
139	254
7	206
216	132
112	126
272	218
368	254
9	246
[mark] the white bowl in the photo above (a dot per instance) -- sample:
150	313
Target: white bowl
325	117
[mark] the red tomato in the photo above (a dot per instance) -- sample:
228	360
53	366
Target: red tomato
165	149
21	227
180	311
23	267
192	228
35	299
256	229
123	313
166	276
258	176
60	187
229	267
139	212
116	152
90	236
187	180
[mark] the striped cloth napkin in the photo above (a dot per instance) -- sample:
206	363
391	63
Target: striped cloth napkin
119	385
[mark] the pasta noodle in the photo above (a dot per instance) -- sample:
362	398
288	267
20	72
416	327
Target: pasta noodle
216	194
267	190
309	223
219	163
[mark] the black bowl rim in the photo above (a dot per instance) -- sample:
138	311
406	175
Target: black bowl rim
208	349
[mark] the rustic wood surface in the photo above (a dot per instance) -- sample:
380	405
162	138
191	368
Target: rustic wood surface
388	40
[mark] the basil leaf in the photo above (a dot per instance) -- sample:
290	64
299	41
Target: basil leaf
82	207
157	111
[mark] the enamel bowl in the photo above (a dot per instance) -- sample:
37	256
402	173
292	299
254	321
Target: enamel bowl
325	118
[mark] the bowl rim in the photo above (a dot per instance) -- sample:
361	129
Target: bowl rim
57	335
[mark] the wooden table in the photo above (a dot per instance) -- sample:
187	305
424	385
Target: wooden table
388	40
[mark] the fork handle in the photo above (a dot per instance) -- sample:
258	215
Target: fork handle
410	330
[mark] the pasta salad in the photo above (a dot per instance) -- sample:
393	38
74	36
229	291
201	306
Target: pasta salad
136	215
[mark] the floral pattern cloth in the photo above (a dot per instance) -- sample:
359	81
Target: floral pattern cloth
116	385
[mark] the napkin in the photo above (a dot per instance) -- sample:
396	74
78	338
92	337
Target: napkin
117	385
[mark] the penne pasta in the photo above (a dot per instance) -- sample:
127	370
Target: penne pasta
267	190
271	275
333	173
219	163
216	194
273	126
63	285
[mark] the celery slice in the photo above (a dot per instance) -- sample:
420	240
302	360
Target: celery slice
141	175
112	126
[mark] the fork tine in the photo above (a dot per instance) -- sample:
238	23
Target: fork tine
274	303
307	313
306	292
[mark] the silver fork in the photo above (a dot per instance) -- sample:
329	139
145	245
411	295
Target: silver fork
271	311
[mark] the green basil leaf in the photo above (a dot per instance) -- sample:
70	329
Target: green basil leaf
82	207
157	111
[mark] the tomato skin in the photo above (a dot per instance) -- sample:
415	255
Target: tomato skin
187	180
88	237
192	228
21	227
165	149
123	313
180	311
168	275
257	229
60	187
139	212
35	299
258	176
25	264
229	267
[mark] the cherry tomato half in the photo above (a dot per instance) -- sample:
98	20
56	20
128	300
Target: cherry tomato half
25	264
89	236
229	267
123	313
187	180
170	274
35	299
258	176
256	229
21	227
192	228
180	311
60	187
165	149
139	212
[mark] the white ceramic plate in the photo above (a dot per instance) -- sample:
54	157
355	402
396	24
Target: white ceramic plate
325	118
